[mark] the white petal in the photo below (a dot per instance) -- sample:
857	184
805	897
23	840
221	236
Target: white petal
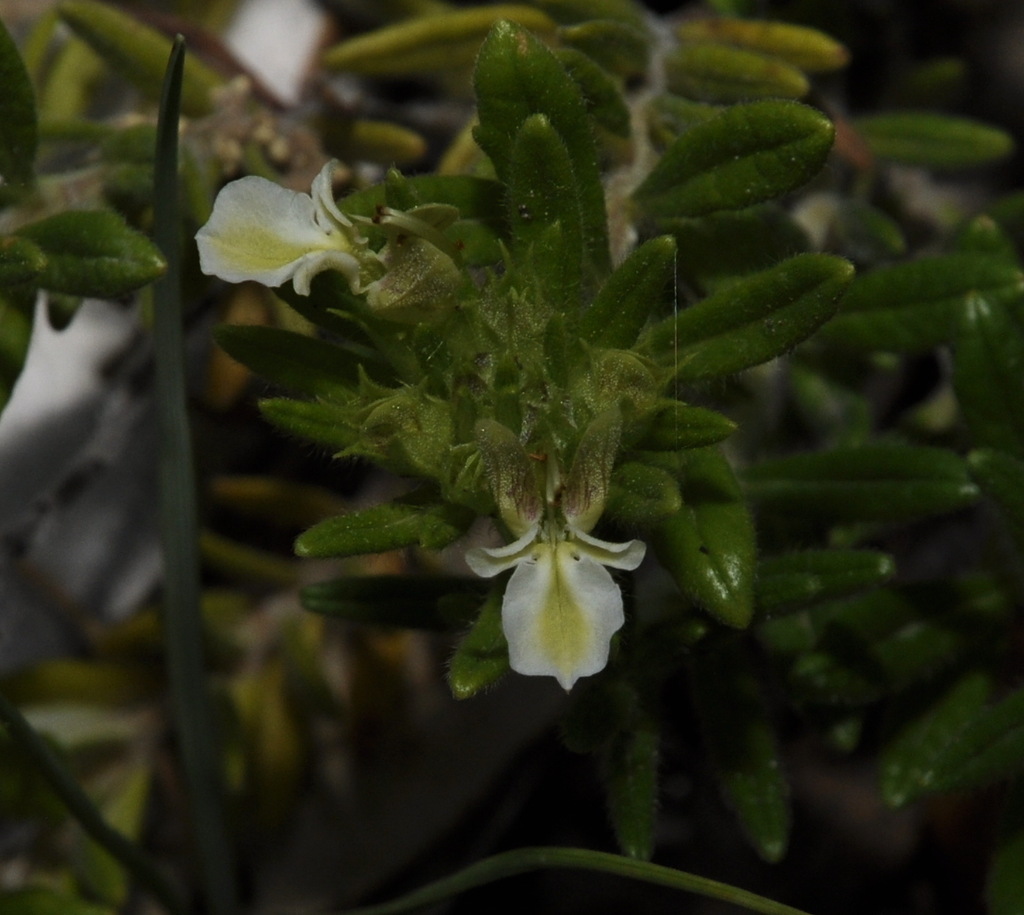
328	216
626	555
258	231
560	612
488	562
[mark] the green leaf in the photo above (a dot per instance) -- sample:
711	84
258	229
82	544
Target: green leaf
19	136
642	495
139	53
384	527
516	77
293	360
718	73
708	547
427	44
1004	891
636	288
40	901
406	601
481	658
1001	478
603	99
987	377
752	320
620	47
542	194
631	780
798	580
316	422
864	483
741	743
718	247
93	253
885	641
570	11
675	426
745	155
798	45
938	141
915	306
21	261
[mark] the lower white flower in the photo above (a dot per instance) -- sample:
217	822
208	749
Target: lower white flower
261	231
561	606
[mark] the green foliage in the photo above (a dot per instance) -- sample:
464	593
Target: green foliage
18	115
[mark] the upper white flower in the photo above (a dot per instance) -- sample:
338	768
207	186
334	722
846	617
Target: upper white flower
264	232
561	606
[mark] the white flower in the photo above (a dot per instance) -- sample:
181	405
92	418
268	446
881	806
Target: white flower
561	606
264	232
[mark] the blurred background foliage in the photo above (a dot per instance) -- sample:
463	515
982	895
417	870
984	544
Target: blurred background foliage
819	694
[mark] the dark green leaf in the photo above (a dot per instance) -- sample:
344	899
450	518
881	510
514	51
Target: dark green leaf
989	375
886	641
407	601
542	194
93	253
20	260
631	779
1005	887
711	72
798	580
675	426
481	658
913	307
636	288
19	135
866	483
603	99
934	140
721	246
40	901
618	46
138	53
384	527
642	495
516	77
741	743
295	361
708	547
745	155
752	320
315	422
1001	478
569	11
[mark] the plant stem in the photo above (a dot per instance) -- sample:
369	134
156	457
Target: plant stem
79	805
522	860
183	627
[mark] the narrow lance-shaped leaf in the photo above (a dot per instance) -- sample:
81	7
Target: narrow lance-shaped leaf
745	155
516	77
711	72
865	483
426	44
741	743
631	780
17	114
542	193
636	288
619	47
913	307
803	47
481	658
384	527
138	52
601	95
1001	478
752	320
934	140
93	253
708	547
796	580
989	375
